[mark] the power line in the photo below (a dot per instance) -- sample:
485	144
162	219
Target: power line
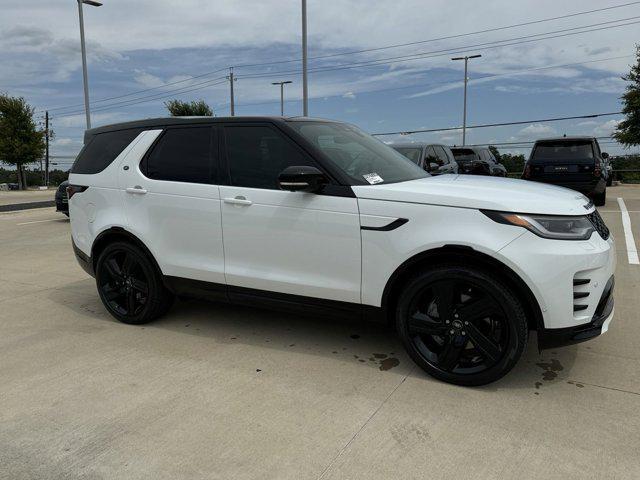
519	122
606	139
146	99
435	84
419	42
455	50
352	53
141	91
424	55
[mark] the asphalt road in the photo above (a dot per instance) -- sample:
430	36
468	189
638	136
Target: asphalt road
215	391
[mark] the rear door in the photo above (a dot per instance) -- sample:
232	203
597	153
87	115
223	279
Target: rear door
294	243
172	202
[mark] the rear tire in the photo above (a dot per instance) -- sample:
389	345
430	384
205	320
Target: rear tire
461	324
600	198
130	285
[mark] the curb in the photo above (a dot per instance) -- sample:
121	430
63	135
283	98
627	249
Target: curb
27	206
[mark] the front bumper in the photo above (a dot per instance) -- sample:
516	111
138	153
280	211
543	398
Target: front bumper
567	278
599	324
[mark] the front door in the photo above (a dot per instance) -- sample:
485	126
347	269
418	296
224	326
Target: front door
288	242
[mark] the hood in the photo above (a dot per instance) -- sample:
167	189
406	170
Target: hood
489	193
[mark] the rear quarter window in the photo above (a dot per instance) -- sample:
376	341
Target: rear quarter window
102	149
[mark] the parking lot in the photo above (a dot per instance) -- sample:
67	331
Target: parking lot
218	391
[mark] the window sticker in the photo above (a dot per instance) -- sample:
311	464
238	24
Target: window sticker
373	178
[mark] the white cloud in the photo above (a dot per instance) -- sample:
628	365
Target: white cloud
350	95
606	128
97	119
535	130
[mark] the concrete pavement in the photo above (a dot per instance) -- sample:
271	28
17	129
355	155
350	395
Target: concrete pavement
216	391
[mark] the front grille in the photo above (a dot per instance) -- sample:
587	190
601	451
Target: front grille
599	224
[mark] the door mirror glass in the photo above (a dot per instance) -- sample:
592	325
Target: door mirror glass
433	166
302	179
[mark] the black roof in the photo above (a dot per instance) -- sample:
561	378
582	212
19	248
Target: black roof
568	139
415	144
167	121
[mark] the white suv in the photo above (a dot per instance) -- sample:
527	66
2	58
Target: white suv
315	214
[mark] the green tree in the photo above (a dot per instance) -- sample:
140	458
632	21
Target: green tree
178	108
21	143
628	130
513	163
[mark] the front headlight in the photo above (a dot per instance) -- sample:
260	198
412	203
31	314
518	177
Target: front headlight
547	226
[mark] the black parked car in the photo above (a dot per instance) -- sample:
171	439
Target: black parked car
478	161
572	162
434	158
62	201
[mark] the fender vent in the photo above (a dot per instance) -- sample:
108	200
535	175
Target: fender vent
580	293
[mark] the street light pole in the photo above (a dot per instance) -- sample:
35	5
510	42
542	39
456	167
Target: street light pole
282	84
466	79
305	90
84	58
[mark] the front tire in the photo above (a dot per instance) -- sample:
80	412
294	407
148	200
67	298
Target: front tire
600	198
129	284
461	324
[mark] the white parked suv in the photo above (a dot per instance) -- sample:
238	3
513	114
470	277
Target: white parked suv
317	215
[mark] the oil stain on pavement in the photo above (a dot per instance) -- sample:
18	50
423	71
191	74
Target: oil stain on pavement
550	371
384	361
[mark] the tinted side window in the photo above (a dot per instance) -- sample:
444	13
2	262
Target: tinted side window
441	154
103	149
257	155
183	155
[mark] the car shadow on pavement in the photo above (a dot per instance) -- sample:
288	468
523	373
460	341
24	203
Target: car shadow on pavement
369	344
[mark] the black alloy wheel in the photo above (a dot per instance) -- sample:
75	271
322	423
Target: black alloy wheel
461	325
129	285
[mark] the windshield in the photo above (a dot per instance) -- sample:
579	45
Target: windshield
411	153
563	151
366	160
464	154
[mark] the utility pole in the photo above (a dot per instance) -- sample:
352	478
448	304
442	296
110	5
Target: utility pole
282	84
305	89
46	155
85	76
231	80
466	79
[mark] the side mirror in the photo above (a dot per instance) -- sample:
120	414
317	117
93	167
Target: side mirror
433	166
302	179
605	155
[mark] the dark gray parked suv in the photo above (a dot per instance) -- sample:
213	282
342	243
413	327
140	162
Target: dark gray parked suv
434	158
572	162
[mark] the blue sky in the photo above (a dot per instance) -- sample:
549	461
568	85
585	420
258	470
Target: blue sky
140	45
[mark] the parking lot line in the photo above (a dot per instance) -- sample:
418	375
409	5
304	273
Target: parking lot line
632	251
38	221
